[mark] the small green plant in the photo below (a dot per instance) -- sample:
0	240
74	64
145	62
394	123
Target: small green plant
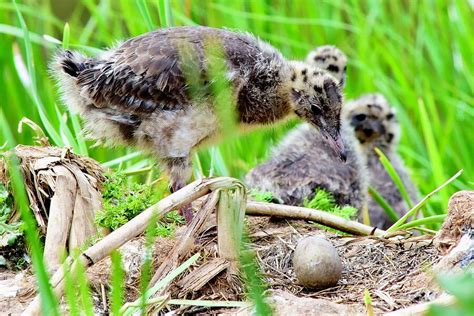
9	232
262	196
123	201
325	201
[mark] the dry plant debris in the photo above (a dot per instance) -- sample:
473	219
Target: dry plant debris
386	268
393	270
64	194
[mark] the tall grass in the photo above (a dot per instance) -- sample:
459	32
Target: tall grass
417	53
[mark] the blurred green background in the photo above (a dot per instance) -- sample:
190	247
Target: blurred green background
419	54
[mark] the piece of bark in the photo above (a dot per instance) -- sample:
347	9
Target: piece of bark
60	217
230	222
195	280
87	203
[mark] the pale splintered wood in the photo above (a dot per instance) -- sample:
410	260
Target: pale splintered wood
87	203
133	228
60	216
230	221
320	217
195	280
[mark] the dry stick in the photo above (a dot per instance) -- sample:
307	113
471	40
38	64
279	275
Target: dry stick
320	217
132	229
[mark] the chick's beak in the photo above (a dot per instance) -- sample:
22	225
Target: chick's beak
336	143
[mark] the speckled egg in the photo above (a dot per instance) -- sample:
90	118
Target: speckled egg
317	263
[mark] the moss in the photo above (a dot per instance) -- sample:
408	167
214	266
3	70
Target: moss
325	201
12	244
262	196
122	201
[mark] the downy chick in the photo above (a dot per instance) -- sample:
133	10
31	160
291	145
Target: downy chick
139	93
375	125
303	161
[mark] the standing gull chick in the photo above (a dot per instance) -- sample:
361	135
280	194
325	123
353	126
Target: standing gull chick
137	93
375	125
303	161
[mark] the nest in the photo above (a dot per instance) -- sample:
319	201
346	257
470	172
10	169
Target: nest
392	270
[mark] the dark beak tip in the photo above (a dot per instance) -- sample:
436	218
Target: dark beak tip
343	156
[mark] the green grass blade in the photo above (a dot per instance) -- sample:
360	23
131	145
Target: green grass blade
143	8
49	302
395	177
145	276
32	88
18	32
383	204
117	284
435	219
121	160
433	151
85	294
66	36
164	11
253	281
420	204
70	290
130	309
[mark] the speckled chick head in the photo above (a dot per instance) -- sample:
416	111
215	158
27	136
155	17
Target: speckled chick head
331	59
316	97
374	121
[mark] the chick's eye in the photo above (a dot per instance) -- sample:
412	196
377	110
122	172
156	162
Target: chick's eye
316	109
360	117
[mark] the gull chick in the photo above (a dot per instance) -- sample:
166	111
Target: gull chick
304	162
375	124
139	93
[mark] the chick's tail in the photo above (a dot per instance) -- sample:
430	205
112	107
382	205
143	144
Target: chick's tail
70	63
67	68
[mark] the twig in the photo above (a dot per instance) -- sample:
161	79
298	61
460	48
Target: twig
320	217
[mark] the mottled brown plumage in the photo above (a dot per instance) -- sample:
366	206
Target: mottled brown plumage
153	91
303	161
375	124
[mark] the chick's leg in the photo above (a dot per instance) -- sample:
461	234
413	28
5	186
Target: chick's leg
179	170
